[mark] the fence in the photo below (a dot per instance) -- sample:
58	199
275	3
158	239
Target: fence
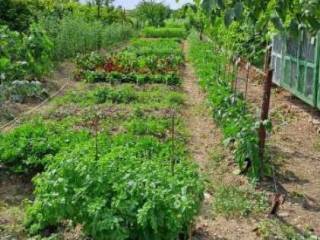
296	66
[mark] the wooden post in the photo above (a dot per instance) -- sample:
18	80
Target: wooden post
235	72
173	160
265	109
247	80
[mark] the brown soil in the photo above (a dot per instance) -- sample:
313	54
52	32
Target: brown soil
205	141
56	83
14	190
295	151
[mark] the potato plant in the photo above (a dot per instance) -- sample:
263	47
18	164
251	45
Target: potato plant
129	193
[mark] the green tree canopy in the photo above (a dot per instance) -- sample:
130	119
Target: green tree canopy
152	12
291	15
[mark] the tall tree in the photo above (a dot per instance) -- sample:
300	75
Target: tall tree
152	12
102	3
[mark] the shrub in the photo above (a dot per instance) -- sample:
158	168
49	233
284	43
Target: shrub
24	57
129	193
17	14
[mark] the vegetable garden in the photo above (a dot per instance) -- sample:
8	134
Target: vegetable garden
151	132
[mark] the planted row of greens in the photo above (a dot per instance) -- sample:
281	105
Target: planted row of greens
106	159
144	61
165	32
118	181
230	110
73	34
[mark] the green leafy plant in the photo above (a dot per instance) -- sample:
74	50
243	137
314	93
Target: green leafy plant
129	193
149	126
117	77
140	63
30	147
122	95
165	32
231	201
23	91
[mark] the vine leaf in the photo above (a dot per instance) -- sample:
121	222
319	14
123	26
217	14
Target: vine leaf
238	9
207	5
229	16
277	22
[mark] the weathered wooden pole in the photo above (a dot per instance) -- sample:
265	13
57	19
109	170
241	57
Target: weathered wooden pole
247	80
173	157
265	109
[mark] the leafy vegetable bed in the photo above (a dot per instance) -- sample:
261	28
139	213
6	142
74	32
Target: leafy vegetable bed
107	162
153	61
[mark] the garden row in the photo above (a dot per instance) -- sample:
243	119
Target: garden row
144	61
111	158
230	110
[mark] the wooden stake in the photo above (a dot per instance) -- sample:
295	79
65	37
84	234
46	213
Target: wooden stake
235	72
173	160
265	109
247	81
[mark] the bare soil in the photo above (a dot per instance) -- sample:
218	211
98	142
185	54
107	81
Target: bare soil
295	152
55	83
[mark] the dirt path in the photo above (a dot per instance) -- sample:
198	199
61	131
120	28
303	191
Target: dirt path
206	144
204	134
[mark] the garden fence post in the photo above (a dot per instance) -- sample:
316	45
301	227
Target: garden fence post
173	160
247	80
265	108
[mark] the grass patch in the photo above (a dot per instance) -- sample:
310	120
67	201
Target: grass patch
317	145
14	216
275	229
165	32
231	201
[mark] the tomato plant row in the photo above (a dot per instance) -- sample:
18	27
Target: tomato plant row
230	110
